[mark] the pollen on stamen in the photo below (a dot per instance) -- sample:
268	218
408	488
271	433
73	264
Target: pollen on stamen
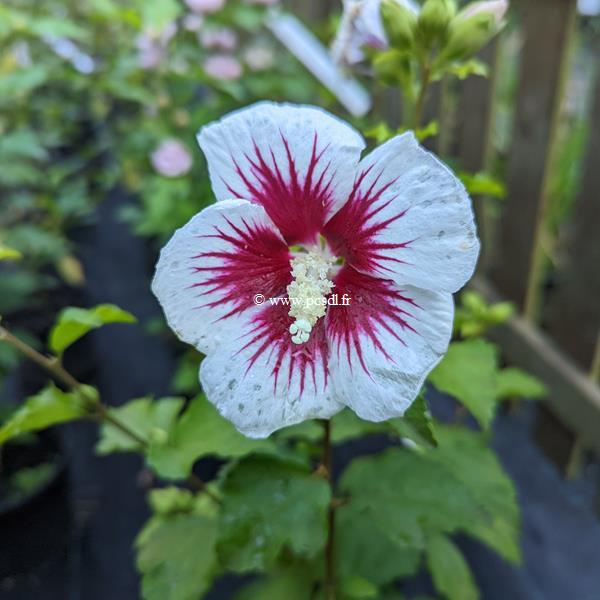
308	292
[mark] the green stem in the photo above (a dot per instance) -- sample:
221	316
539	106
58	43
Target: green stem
420	104
329	547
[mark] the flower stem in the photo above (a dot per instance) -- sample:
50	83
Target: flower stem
329	547
99	411
420	104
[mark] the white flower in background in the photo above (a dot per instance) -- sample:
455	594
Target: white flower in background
300	215
259	58
361	25
589	8
171	158
69	51
205	6
222	38
222	67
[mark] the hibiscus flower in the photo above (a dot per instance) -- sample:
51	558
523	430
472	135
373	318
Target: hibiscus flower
300	221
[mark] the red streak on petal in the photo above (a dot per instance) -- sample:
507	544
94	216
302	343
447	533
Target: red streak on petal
376	305
254	261
271	335
352	232
298	203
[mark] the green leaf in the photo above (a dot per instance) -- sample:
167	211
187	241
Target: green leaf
199	432
514	383
358	588
7	253
416	424
482	184
73	323
471	67
402	494
386	559
468	372
171	500
176	556
150	419
345	426
465	454
49	407
292	583
449	570
269	505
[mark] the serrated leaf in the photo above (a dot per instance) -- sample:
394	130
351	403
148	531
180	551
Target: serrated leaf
268	505
148	418
49	407
466	455
404	494
176	556
200	431
468	372
514	383
449	570
171	500
73	323
385	561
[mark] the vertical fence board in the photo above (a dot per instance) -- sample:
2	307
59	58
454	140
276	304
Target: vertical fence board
574	312
548	25
473	132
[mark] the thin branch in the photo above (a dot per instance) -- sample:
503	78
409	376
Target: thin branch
99	411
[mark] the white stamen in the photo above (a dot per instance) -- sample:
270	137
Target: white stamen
308	292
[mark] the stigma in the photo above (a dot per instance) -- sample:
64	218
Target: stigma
308	292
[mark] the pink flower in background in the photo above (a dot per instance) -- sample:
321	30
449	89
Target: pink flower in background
301	217
171	158
152	45
193	22
205	6
222	39
222	67
259	58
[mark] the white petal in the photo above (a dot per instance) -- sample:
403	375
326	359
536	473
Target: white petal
379	387
196	309
281	147
245	390
438	225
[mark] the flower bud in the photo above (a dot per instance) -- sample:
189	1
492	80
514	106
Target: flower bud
497	8
399	22
434	20
467	35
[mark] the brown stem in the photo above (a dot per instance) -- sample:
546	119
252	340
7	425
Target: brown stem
50	364
329	547
99	411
